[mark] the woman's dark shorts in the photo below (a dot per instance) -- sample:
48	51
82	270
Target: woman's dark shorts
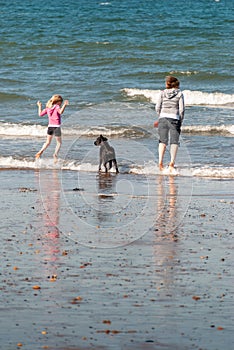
169	130
56	131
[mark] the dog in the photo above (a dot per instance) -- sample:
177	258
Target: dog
107	154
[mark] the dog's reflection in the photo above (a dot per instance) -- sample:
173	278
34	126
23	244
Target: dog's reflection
107	195
106	185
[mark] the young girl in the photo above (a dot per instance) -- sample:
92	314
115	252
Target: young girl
53	110
170	109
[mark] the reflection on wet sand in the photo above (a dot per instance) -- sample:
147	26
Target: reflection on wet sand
167	221
166	234
106	185
50	197
106	194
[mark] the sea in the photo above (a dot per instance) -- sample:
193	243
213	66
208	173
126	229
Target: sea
110	60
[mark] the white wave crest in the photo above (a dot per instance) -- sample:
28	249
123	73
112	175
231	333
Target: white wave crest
13	163
21	130
208	129
13	129
31	131
191	98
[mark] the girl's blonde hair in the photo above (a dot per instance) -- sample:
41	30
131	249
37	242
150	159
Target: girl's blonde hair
172	82
53	100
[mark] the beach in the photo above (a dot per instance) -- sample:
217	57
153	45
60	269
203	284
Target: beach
130	261
66	288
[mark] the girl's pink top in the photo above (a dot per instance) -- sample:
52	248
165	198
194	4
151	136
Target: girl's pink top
53	115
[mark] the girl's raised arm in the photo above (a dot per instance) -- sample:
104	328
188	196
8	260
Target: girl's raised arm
66	102
39	104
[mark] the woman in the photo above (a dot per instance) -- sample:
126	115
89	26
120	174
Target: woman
170	109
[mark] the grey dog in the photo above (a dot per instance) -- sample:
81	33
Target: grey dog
106	155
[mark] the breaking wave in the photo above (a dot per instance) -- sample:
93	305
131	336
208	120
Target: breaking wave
131	131
191	98
149	168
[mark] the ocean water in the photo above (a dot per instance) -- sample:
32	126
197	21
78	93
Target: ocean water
110	59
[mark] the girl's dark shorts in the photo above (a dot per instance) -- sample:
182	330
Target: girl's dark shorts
169	130
56	131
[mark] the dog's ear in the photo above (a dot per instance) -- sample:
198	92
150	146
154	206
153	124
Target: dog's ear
103	138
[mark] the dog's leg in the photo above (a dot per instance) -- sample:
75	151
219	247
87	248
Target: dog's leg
100	166
116	166
100	160
108	165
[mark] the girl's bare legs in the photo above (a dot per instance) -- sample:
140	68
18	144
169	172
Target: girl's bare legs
173	152
58	146
161	152
46	144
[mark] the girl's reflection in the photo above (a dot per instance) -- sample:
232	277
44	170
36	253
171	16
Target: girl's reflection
50	196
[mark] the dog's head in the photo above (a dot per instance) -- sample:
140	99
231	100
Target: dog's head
99	140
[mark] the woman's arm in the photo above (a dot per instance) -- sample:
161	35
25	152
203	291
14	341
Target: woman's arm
181	108
158	106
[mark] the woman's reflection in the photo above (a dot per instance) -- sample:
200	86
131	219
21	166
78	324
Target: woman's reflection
166	238
167	207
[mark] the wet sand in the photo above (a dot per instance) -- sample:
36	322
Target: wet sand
123	262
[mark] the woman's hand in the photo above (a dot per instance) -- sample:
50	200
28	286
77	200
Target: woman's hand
156	124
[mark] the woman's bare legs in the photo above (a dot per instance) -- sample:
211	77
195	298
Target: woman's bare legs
173	152
46	144
161	152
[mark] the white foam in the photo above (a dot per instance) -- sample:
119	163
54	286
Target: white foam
12	129
150	168
31	131
209	129
214	172
74	166
21	130
12	163
191	98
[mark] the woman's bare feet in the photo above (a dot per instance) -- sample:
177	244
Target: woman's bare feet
171	166
160	166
